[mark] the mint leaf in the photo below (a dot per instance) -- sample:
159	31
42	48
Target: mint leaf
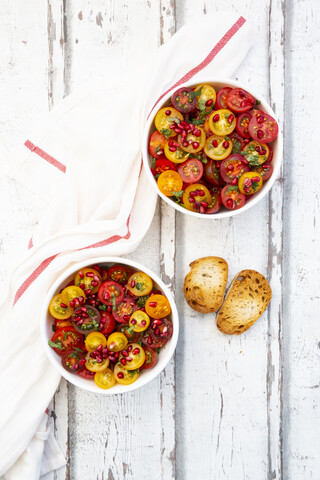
53	327
236	146
139	286
166	132
158	148
142	301
232	189
178	194
153	163
55	345
102	307
258	102
202	105
197	93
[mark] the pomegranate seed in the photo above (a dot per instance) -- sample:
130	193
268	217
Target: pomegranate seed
183	134
234	181
63	305
101	326
129	348
94	284
230	168
157	322
170	143
178	130
260	134
87	291
104	355
149	340
133	321
120	375
83	309
184	124
143	323
80	322
201	193
132	283
160	152
112	358
197	133
257	149
98	359
112	345
263	151
76	301
76	319
229	203
96	267
245	161
245	103
105	350
230	118
85	315
75	366
109	309
173	149
123	361
116	354
82	362
81	300
191	200
209	102
157	331
81	274
96	278
216	117
90	274
265	167
215	143
192	127
172	126
124	353
165	329
129	359
260	119
92	302
153	304
72	304
185	144
168	112
82	286
193	194
202	209
136	351
204	204
99	348
255	179
126	317
225	144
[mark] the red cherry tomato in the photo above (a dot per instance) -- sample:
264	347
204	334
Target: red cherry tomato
62	323
262	127
110	292
124	310
86	374
233	167
215	204
221	98
191	171
107	323
162	165
184	100
212	174
232	198
157	337
73	361
265	171
156	144
242	124
239	101
119	274
237	142
132	336
270	156
66	339
151	358
86	319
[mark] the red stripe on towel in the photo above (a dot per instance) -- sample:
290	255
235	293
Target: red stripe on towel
33	148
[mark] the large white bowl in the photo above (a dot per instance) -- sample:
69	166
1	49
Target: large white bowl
217	83
147	375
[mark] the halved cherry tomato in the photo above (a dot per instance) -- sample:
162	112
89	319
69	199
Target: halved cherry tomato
221	98
88	279
250	183
239	100
73	295
133	337
156	144
119	274
73	361
166	117
169	182
86	374
139	321
212	174
162	165
107	323
66	339
140	284
176	154
222	122
95	365
124	310
158	333
123	376
270	156
86	319
233	167
194	141
93	341
238	142
218	148
242	124
133	357
191	171
194	196
232	198
117	341
264	170
208	94
215	204
184	100
263	127
62	324
105	379
158	306
58	311
255	153
110	293
151	358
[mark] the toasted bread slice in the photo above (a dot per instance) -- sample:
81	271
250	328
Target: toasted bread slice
205	284
247	298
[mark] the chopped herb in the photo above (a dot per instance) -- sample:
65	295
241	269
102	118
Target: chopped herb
236	146
202	104
253	160
157	176
232	189
166	132
65	335
258	102
178	194
157	350
53	327
142	301
227	138
139	286
204	160
102	307
197	122
153	163
78	350
130	330
114	303
196	94
55	345
158	148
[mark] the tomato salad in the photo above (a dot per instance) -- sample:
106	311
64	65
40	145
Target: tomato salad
110	324
212	148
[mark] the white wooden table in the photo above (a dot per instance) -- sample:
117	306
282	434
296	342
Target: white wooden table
226	408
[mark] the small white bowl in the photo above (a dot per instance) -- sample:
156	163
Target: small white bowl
217	83
165	353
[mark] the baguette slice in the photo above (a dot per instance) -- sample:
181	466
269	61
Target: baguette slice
247	298
205	284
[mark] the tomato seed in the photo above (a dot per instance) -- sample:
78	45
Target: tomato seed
168	112
120	375
209	102
216	117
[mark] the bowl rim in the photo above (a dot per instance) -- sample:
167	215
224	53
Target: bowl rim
91	386
276	161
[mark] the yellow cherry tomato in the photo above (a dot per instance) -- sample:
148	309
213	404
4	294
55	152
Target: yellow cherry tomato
68	294
195	142
58	311
140	284
222	122
169	182
158	306
217	147
139	321
93	340
163	121
207	93
198	193
94	366
135	357
178	156
250	182
117	341
88	279
123	376
105	379
256	153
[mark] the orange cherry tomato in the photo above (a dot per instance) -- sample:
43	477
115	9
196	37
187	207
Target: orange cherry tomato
208	93
218	148
94	366
123	376
250	183
88	279
105	379
117	341
169	182
69	294
256	153
165	118
140	284
177	156
134	357
193	143
197	193
59	309
158	306
222	122
93	340
139	321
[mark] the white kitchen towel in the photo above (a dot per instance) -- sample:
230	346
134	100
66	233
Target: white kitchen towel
85	162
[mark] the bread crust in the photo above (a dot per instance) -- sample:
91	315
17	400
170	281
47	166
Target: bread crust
247	298
204	286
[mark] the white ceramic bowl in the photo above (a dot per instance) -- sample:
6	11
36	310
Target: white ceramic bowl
147	375
217	83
